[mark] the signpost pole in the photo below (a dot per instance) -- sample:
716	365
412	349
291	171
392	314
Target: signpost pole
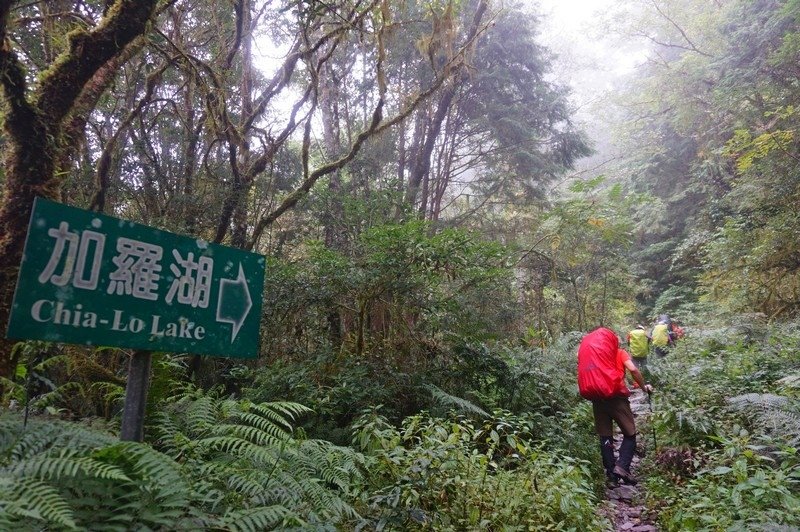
136	396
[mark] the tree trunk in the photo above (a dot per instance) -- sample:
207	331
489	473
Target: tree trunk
422	164
239	236
331	137
332	142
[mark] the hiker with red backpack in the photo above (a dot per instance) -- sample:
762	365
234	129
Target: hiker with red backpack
601	379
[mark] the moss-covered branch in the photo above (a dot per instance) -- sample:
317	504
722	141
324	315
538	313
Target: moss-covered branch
62	83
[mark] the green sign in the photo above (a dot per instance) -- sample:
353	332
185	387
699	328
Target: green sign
92	279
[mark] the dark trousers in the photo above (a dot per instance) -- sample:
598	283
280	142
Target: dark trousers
605	412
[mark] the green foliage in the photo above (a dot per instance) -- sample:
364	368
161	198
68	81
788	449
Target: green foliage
215	464
67	379
250	470
576	275
336	388
62	474
508	107
405	285
455	403
723	162
738	488
748	150
452	474
680	300
732	433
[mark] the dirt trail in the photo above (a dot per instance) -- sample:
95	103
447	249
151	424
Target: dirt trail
625	504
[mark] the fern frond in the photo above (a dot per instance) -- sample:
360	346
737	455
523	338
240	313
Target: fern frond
78	437
758	400
168	435
324	502
33	441
182	393
256	519
52	361
148	462
8	436
32	499
286	488
457	403
244	484
67	465
265	424
72	388
790	381
241	448
774	414
336	465
276	411
201	413
255	435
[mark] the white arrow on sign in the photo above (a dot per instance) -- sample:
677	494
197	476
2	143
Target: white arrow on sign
228	285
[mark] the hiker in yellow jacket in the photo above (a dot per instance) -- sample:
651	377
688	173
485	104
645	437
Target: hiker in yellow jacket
639	346
661	336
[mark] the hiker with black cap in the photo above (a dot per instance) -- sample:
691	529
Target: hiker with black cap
601	379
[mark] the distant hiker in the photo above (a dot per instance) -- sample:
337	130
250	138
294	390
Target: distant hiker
639	344
601	379
662	335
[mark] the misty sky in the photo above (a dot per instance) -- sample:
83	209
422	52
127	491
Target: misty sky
588	55
595	62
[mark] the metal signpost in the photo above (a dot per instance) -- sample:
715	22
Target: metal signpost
91	279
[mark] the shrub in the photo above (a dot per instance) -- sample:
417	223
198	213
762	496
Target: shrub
453	474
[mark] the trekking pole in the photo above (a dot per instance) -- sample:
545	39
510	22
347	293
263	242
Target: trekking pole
652	423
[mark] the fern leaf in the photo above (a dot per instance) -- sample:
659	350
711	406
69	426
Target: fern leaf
276	411
256	519
265	424
241	448
457	403
67	465
253	434
202	413
33	499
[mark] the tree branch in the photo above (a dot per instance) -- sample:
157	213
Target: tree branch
692	47
62	83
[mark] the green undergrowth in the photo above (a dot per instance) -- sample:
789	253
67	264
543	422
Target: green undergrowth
455	474
728	425
219	464
509	446
210	463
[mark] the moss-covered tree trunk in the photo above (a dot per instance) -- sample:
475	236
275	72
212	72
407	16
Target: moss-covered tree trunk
34	120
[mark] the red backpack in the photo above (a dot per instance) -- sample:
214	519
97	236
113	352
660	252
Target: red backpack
600	366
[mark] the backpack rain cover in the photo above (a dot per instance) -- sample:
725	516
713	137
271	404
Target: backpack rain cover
600	366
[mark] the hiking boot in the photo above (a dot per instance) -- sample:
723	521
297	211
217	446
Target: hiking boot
611	482
624	475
